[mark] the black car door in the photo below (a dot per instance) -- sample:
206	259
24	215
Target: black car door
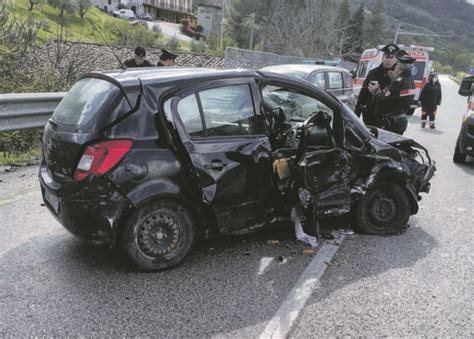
325	166
223	133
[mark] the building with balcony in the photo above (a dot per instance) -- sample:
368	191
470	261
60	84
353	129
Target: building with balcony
168	10
112	5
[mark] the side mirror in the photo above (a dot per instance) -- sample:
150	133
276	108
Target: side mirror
467	86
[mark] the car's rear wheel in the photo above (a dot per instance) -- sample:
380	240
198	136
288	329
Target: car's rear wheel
384	210
158	236
458	157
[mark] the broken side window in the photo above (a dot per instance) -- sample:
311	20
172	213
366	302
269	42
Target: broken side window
296	106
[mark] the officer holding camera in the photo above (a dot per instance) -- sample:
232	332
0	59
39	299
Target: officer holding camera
392	103
383	76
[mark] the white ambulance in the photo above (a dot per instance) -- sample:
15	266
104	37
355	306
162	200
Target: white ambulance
372	58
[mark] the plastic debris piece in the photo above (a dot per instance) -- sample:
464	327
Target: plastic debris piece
347	231
273	242
300	234
308	250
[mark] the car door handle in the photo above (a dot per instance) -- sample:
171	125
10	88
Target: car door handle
215	165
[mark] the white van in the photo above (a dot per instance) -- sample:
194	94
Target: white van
124	14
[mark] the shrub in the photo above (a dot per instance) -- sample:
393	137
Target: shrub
173	43
198	47
157	29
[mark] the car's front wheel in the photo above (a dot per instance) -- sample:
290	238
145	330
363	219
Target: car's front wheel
384	210
158	236
458	157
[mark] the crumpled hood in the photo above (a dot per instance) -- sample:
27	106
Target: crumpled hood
392	138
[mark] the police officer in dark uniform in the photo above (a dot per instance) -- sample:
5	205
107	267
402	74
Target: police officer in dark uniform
393	102
365	102
139	59
166	59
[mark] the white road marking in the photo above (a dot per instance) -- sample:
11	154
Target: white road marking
283	320
264	263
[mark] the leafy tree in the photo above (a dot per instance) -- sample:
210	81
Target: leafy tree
63	6
355	40
84	6
375	30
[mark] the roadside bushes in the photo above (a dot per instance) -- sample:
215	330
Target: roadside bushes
132	36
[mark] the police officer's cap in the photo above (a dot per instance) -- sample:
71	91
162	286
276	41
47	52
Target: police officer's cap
140	51
390	49
404	57
166	55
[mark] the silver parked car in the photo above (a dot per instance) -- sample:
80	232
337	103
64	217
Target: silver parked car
335	80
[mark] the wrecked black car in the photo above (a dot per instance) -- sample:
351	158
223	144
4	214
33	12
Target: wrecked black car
153	160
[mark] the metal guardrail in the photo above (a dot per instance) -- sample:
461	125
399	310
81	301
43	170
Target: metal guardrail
27	110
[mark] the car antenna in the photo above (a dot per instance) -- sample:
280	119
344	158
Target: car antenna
124	68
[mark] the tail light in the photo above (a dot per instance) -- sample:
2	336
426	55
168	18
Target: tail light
99	158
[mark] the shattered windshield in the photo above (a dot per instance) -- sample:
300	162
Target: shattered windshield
297	106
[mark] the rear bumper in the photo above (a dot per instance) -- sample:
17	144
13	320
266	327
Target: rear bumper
466	137
92	212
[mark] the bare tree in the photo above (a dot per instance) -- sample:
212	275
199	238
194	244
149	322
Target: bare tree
35	2
305	27
84	6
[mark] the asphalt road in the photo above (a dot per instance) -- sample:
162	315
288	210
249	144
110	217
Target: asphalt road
418	283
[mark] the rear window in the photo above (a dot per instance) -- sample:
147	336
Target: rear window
87	102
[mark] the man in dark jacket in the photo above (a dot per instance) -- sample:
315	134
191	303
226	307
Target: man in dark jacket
365	103
166	58
393	103
430	98
139	59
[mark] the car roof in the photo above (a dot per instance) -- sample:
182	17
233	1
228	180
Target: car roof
168	74
156	77
302	68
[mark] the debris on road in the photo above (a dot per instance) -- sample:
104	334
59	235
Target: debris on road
300	234
273	242
327	236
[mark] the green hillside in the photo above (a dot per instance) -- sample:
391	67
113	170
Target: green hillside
75	28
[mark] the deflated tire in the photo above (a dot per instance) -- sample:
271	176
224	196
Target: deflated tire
384	210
